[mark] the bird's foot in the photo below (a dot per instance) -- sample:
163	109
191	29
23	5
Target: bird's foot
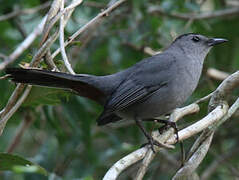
152	142
168	124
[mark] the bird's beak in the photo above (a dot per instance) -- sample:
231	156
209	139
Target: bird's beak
215	41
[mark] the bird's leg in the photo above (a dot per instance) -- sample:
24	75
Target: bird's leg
151	141
174	126
170	124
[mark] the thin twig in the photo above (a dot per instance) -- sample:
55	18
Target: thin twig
24	45
25	11
218	162
13	109
20	132
89	24
10	108
224	13
3	56
139	154
203	99
62	47
216	74
49	61
54	16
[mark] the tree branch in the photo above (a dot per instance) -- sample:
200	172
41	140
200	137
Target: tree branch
199	16
24	45
224	90
186	172
25	11
89	24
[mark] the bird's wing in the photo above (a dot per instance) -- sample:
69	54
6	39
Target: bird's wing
147	77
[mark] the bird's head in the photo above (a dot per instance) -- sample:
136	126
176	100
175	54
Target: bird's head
195	45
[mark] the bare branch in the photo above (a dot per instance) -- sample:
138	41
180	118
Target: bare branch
187	16
62	47
10	108
197	127
190	166
139	154
20	132
224	90
125	162
216	74
205	98
203	142
51	19
94	4
89	24
218	162
49	61
54	16
25	11
13	109
230	112
24	45
42	51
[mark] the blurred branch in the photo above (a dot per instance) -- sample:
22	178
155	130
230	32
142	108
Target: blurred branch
25	11
3	56
49	61
199	16
54	15
52	18
24	45
11	107
208	172
94	4
20	132
62	47
146	50
216	74
89	24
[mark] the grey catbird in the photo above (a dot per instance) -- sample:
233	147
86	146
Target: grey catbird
151	88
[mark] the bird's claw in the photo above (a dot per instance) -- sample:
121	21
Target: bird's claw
151	142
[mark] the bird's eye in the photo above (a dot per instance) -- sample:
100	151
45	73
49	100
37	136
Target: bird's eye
196	38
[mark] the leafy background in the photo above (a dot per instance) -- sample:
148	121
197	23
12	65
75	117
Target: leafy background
62	135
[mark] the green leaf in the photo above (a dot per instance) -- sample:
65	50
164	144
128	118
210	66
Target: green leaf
88	178
17	164
43	95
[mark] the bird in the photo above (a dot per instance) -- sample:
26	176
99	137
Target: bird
151	88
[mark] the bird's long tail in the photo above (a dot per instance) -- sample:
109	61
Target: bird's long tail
82	84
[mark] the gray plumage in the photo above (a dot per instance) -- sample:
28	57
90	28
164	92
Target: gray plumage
150	88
